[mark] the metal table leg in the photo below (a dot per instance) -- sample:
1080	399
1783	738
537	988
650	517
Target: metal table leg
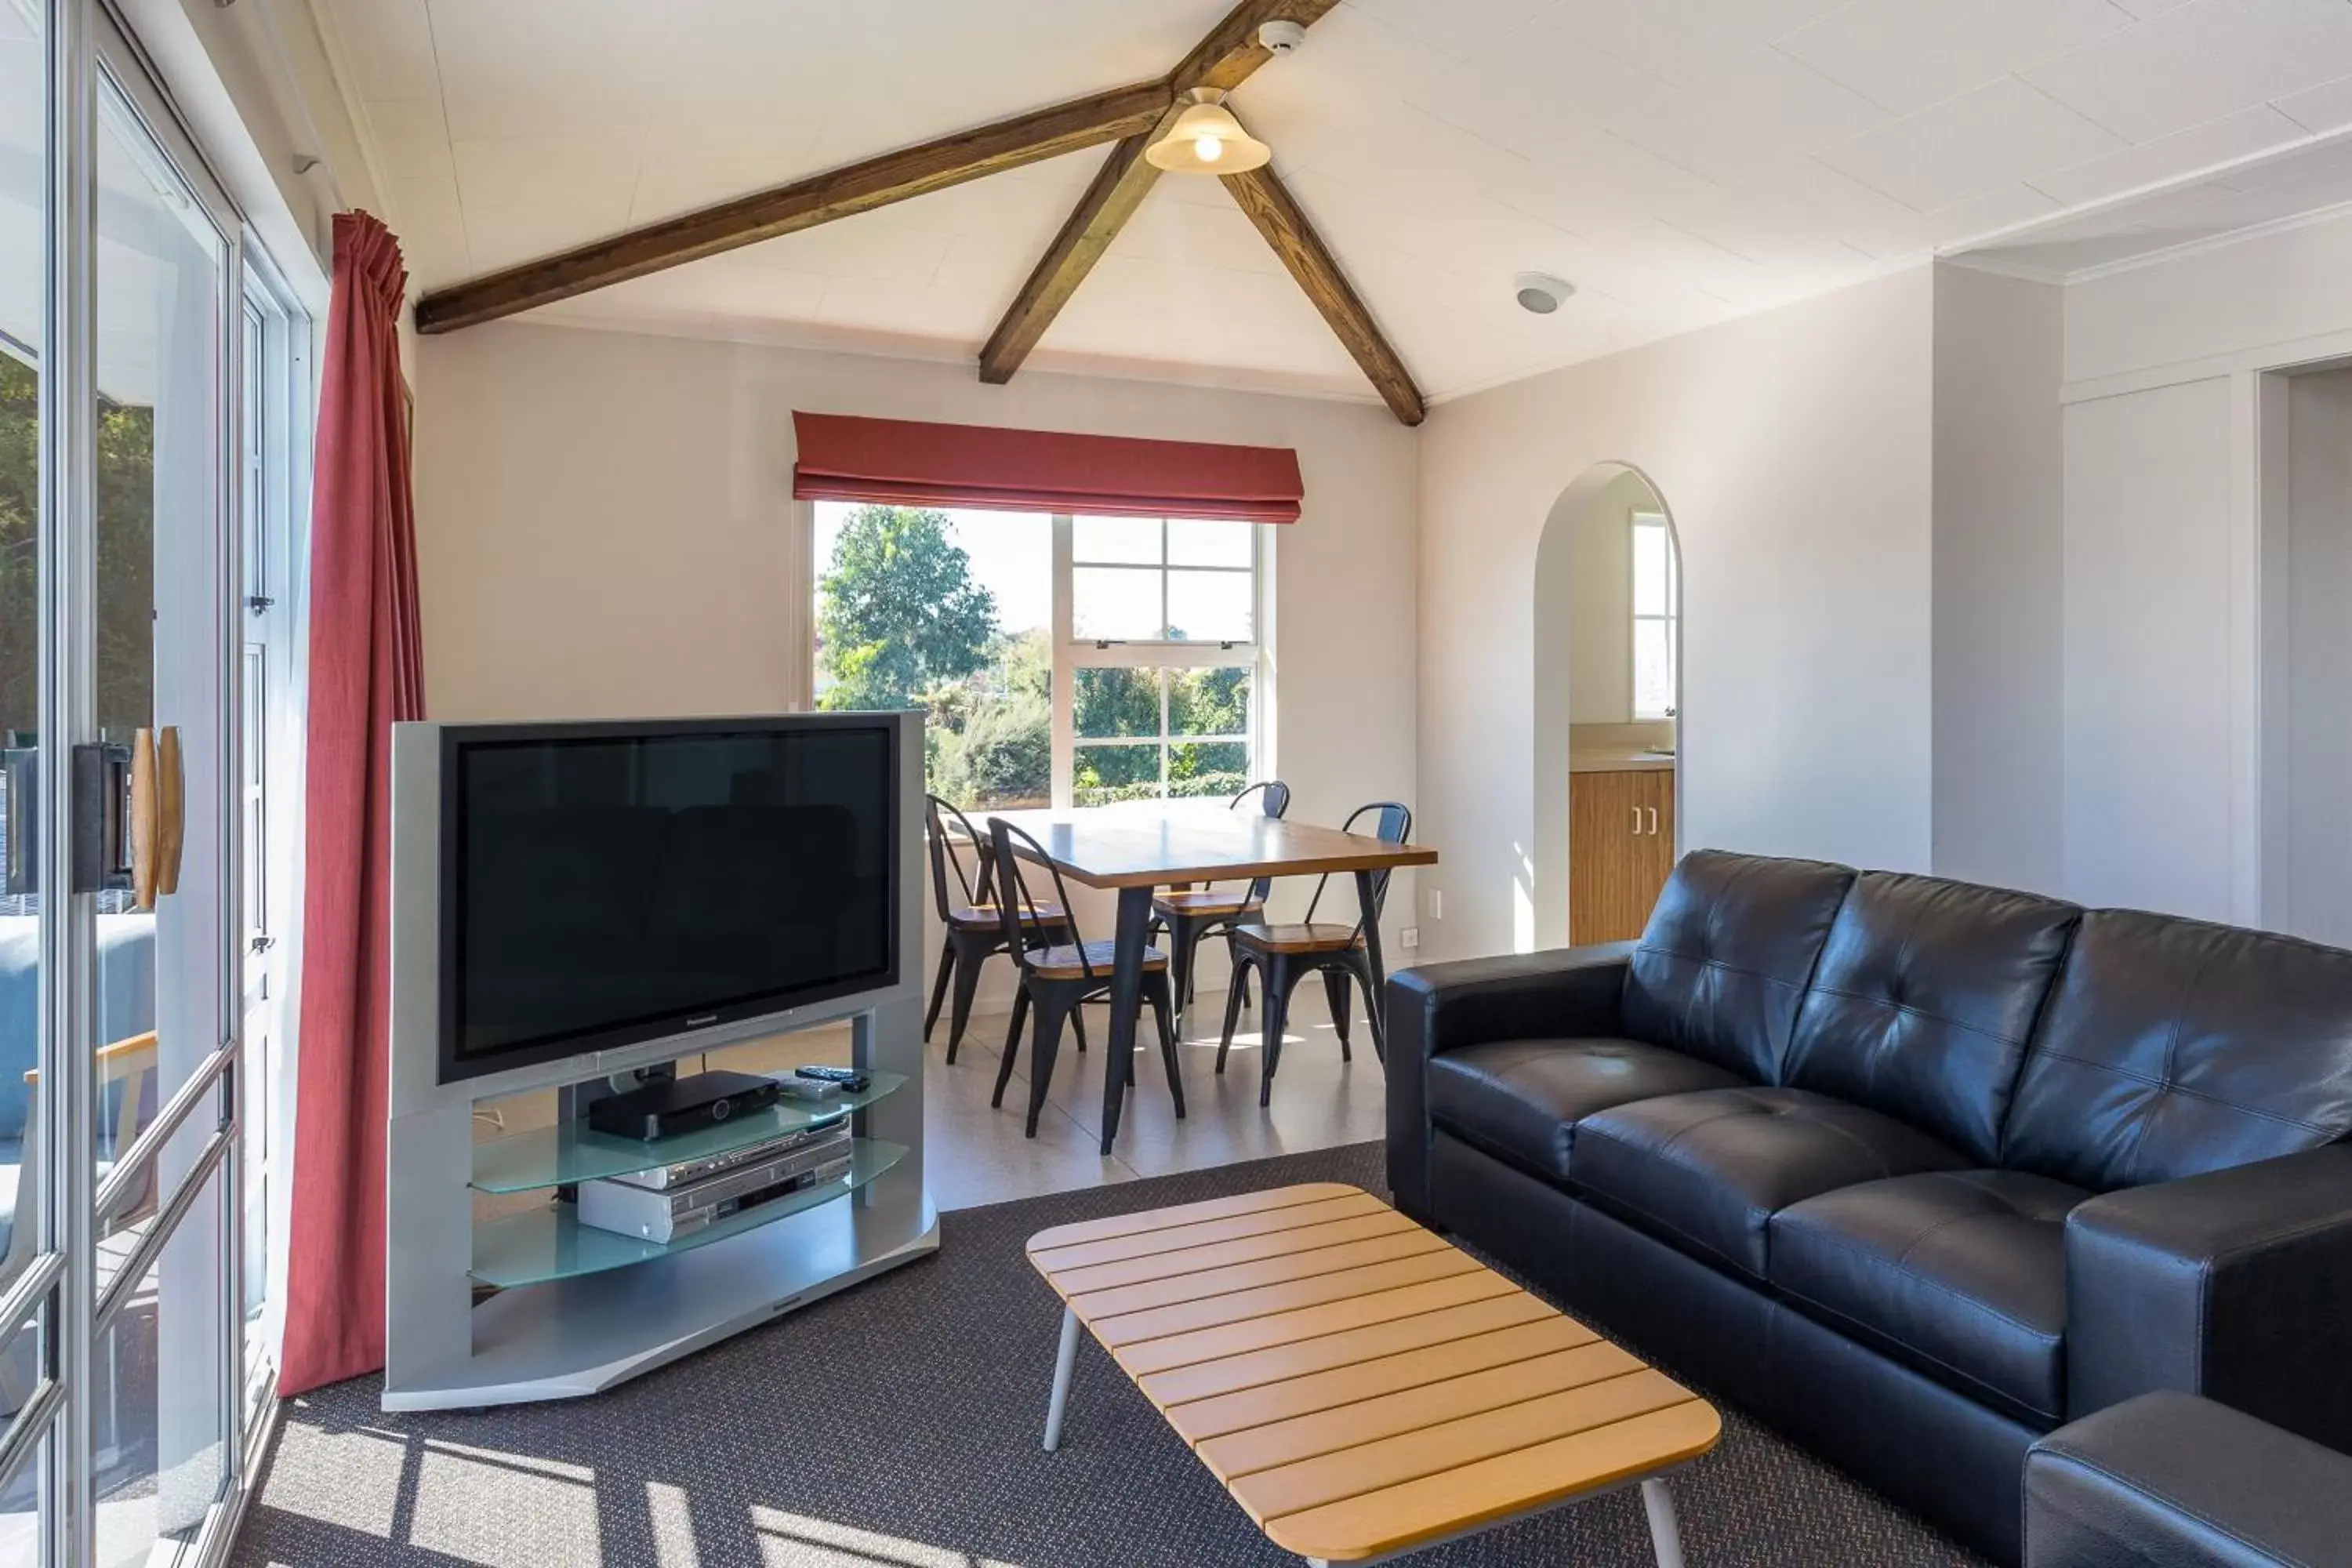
1126	1002
1665	1536
1368	902
1064	1358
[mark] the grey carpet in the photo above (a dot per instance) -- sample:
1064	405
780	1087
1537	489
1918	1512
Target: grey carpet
896	1426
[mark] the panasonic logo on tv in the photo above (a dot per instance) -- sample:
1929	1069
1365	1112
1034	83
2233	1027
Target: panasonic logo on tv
706	1018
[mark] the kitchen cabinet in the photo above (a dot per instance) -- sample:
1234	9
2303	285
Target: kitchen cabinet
1621	848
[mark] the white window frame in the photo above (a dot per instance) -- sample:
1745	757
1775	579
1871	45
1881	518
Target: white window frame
1670	620
1071	653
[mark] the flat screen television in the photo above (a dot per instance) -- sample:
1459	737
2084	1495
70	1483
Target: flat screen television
605	884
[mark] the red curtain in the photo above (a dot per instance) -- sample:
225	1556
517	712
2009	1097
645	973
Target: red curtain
907	462
367	673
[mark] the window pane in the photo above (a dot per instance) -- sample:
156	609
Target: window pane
161	1411
1653	668
1135	539
1103	774
950	612
1218	768
1210	543
1114	604
1209	606
1114	703
1649	569
163	432
1209	701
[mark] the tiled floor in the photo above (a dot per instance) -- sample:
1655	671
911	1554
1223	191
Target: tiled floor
975	1154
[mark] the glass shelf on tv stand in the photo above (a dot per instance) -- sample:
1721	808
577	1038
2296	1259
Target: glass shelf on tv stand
550	1242
561	1156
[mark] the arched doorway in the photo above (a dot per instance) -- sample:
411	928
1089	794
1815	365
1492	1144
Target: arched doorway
1608	723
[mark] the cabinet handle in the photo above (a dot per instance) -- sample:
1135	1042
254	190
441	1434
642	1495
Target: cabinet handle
1637	822
1653	822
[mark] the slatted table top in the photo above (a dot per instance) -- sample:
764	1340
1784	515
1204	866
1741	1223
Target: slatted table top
1358	1384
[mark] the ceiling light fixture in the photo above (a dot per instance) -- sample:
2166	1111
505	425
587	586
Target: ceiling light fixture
1207	140
1541	292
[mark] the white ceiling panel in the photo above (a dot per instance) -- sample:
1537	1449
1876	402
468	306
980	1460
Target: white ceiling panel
2201	61
1906	55
1972	145
2327	107
1681	161
2233	136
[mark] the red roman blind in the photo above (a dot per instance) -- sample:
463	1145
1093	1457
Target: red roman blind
908	462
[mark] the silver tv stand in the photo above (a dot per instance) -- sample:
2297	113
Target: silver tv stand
573	1334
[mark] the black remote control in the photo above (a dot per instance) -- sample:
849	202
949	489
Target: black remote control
850	1079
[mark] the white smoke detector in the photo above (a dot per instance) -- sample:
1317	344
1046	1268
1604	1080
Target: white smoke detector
1280	38
1540	292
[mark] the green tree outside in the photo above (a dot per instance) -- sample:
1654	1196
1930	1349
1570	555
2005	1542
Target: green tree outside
899	612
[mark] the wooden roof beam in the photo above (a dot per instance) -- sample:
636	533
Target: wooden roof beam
1124	113
1224	59
1270	207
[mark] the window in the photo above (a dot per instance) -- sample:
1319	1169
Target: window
1657	617
1062	660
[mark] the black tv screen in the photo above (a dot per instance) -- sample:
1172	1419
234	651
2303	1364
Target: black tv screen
608	884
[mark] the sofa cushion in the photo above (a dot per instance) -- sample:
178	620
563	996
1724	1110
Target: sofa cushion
2172	1047
1708	1171
1730	944
1520	1099
1962	1274
1924	998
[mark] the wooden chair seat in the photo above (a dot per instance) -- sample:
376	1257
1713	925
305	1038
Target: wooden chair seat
1201	901
986	917
1064	963
1299	938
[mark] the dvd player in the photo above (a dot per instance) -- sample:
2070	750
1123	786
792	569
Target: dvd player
662	1178
679	1213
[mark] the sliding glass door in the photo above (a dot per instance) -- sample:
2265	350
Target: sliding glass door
121	319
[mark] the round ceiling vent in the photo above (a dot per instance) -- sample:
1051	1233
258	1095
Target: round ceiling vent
1541	292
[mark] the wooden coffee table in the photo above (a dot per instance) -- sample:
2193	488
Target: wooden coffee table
1361	1386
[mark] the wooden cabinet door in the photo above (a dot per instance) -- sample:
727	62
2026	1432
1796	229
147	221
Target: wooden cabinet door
1621	847
1606	852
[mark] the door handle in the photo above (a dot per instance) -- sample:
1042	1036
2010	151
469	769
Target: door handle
146	819
159	824
172	808
1653	822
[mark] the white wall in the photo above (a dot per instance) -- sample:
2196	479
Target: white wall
605	528
2168	370
1999	529
2148	613
1793	450
1601	604
2314	806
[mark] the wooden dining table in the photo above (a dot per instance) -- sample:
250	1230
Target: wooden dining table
1136	850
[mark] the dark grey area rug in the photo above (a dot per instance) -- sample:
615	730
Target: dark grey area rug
896	1426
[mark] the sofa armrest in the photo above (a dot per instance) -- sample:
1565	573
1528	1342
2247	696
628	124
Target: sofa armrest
1442	1007
2173	1478
2231	1285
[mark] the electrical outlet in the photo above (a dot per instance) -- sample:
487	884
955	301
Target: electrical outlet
1410	937
1436	904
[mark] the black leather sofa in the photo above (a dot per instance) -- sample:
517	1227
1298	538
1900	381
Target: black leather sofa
1914	1170
2176	1481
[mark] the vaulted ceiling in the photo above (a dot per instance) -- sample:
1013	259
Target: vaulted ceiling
1681	161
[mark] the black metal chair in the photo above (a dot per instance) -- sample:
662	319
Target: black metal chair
974	929
1189	914
1288	954
1057	977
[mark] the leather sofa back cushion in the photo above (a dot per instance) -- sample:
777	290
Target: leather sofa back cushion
1924	999
1720	971
2172	1047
